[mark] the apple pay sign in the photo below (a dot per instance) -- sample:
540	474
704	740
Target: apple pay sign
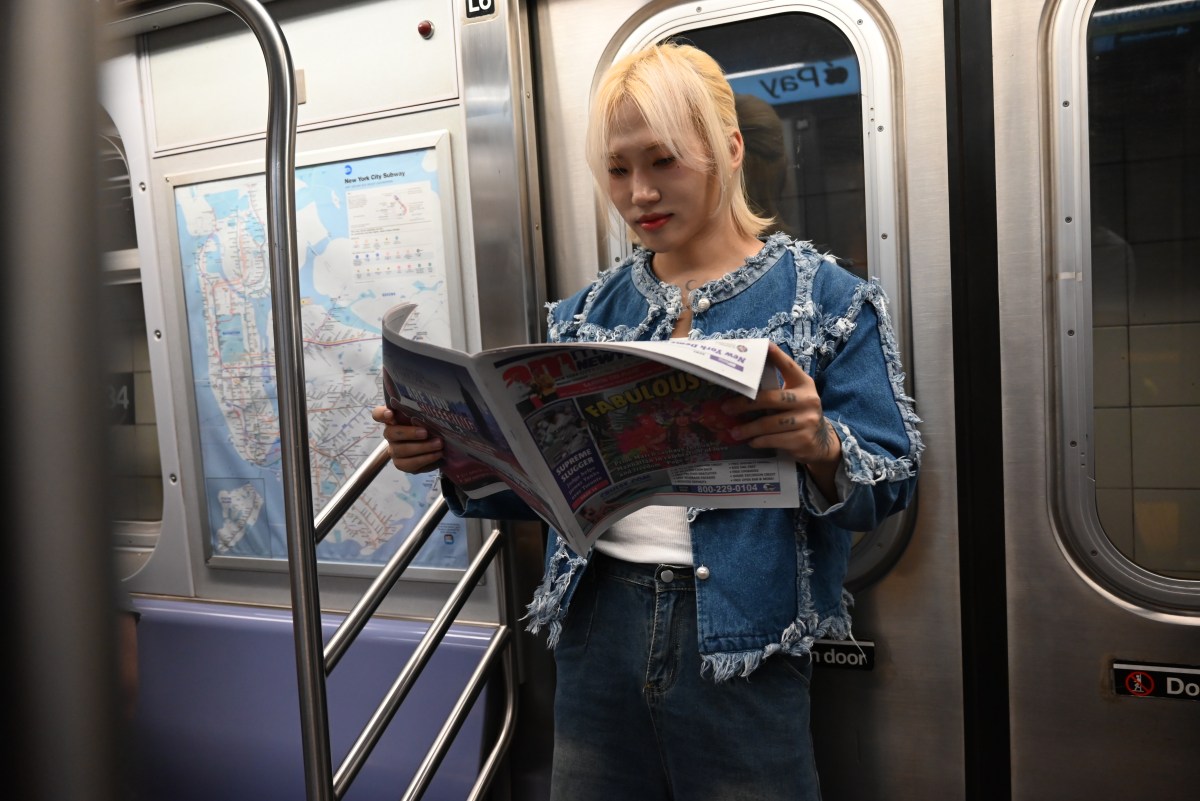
792	83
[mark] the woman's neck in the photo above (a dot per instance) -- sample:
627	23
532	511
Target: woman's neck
705	259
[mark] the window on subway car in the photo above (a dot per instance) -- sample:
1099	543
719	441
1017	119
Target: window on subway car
136	470
1143	73
797	87
796	78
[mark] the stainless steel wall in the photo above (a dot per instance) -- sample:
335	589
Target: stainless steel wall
1072	737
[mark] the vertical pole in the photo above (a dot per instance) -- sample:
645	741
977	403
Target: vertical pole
293	407
57	580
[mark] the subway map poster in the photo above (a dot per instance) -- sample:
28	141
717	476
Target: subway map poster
369	235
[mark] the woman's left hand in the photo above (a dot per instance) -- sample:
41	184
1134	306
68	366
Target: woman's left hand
791	421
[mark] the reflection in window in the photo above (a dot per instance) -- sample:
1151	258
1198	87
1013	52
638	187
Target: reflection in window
1143	76
796	77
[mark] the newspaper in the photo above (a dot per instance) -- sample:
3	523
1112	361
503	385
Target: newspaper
586	433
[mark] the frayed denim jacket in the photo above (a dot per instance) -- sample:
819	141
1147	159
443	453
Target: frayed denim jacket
774	575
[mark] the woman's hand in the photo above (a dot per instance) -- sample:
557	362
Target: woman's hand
793	422
411	447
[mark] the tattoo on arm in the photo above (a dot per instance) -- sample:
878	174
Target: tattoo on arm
825	434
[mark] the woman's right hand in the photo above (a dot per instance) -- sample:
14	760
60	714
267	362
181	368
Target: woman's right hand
412	449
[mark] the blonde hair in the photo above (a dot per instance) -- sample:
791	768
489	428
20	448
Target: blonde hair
683	96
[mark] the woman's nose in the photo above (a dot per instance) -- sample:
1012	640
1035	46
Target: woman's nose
644	191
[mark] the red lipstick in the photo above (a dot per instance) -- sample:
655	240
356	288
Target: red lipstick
652	222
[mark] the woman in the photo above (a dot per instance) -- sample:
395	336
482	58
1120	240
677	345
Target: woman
682	642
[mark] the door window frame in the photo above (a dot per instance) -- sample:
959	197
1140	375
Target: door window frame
1080	530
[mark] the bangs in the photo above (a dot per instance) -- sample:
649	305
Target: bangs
674	103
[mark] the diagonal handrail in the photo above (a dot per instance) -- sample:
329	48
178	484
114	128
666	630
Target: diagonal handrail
371	733
349	492
382	585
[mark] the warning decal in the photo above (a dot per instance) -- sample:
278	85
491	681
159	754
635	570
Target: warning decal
1156	681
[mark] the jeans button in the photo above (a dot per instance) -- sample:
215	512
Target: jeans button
703	572
667	575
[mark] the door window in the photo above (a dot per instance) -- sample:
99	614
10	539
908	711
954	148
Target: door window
1129	315
813	100
1144	134
797	87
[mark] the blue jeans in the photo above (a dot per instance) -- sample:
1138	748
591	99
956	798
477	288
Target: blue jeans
634	720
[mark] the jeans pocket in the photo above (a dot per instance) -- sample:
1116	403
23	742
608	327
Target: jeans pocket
799	667
577	626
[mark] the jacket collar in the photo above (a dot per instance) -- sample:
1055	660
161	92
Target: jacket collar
661	293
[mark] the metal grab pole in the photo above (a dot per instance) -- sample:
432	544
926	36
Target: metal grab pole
289	376
293	406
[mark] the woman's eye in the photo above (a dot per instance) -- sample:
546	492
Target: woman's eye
616	171
665	161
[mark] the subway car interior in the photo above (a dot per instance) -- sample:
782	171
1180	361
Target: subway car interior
208	208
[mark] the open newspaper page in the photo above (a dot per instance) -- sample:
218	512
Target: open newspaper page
436	388
587	433
618	431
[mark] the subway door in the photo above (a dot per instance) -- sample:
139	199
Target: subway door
1097	107
845	106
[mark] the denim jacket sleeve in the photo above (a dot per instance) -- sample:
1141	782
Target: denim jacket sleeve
506	505
860	380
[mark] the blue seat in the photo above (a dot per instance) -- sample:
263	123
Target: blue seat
219	713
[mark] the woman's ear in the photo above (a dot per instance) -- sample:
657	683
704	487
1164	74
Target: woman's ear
737	150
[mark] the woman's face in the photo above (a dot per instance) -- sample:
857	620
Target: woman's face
667	204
